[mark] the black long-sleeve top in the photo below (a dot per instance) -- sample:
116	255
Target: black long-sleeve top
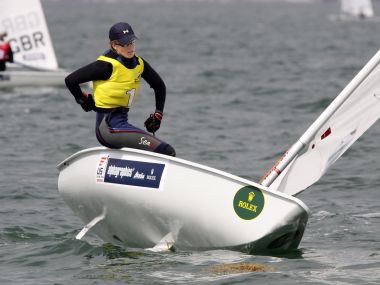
102	70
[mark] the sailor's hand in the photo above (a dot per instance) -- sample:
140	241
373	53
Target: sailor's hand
152	124
87	102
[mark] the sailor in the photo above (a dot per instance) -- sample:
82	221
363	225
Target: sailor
6	53
116	80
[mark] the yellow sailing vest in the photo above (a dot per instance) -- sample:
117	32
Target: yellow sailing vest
121	89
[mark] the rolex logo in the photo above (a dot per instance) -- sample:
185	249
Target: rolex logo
248	202
251	195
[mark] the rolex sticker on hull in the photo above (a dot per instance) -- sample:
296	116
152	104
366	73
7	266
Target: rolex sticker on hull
129	172
248	202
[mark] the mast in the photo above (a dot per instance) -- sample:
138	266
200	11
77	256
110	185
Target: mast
307	137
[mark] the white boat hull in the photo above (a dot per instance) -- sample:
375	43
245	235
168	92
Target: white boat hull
16	78
144	196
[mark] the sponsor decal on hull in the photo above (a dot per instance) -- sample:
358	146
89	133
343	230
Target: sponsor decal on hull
248	202
129	172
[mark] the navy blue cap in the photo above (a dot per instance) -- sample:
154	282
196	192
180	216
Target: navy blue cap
122	32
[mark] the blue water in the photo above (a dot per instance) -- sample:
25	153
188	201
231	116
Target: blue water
244	80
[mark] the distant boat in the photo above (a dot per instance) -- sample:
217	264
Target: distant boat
360	9
35	62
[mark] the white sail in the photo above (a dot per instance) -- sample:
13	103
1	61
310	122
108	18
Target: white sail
25	23
354	110
357	8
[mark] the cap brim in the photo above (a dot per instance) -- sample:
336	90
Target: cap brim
127	39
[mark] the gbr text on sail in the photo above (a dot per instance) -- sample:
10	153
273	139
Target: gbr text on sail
25	31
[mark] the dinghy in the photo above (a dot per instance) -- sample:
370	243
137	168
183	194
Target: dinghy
146	200
35	62
137	198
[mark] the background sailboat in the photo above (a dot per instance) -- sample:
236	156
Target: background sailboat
360	9
35	62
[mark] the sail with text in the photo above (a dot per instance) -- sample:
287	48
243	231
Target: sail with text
28	34
352	112
357	8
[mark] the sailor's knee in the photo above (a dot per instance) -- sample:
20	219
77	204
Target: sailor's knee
169	150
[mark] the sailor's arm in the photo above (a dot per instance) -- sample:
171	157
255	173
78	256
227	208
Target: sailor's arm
10	54
157	84
154	80
97	70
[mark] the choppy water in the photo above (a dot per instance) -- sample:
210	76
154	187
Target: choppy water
244	81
